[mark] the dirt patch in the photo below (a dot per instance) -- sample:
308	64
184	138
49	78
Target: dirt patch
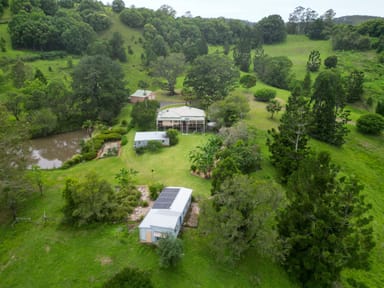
104	260
47	248
192	219
110	148
139	212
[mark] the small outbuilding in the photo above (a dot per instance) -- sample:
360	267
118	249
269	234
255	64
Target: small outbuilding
141	95
185	119
142	138
167	214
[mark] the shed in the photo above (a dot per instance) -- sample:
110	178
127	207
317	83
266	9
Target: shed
167	214
142	138
186	119
141	95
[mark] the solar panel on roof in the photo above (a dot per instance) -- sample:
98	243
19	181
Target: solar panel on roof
166	198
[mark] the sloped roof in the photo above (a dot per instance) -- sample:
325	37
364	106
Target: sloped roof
141	93
180	113
167	208
148	136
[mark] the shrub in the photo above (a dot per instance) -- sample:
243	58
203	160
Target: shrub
170	251
154	146
124	140
129	278
265	95
370	123
380	58
120	130
154	190
380	108
330	62
77	158
248	80
173	134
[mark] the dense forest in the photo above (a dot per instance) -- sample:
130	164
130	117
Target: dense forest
277	190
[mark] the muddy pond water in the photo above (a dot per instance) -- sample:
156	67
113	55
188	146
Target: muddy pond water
50	152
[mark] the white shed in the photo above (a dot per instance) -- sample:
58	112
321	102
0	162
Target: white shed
167	214
142	138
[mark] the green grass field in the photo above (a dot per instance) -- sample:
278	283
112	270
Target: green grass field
38	254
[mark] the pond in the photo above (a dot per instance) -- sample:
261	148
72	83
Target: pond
50	152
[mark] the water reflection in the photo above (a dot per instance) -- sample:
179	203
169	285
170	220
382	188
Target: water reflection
50	152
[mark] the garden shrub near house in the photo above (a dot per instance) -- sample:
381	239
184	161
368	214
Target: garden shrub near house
155	189
173	136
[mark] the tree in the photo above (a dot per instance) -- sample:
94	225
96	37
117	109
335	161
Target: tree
272	29
354	86
170	250
260	61
49	6
77	37
98	85
242	50
170	68
118	6
39	75
229	111
20	73
225	169
88	201
295	23
307	85
248	81
14	187
325	226
370	123
273	107
203	157
289	144
380	108
329	118
314	61
43	122
238	217
211	77
277	71
38	179
117	47
144	115
330	62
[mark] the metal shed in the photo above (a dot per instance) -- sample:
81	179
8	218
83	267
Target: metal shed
167	214
142	138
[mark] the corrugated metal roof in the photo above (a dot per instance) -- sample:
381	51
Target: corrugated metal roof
169	208
148	136
186	112
141	93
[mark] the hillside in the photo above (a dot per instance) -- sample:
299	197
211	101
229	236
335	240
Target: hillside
48	254
354	19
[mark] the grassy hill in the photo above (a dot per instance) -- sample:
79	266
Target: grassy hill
38	254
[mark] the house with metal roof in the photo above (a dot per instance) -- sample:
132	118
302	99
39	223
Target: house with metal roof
141	95
167	215
142	138
185	119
